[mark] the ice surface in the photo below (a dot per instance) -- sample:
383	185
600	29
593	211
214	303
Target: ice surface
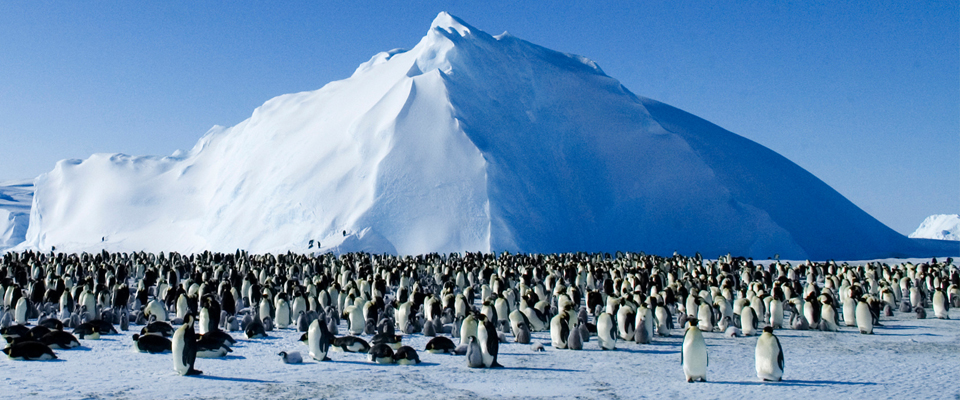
466	142
906	358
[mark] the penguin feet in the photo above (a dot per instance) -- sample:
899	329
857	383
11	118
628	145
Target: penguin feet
194	372
704	379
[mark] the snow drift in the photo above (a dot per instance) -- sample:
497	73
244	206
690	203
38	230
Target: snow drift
939	226
467	142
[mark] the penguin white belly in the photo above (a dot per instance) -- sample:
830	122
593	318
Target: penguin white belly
204	321
829	317
767	358
357	323
177	347
606	332
20	314
283	315
557	336
748	321
468	328
776	313
705	317
694	355
313	341
850	312
662	327
864	318
939	305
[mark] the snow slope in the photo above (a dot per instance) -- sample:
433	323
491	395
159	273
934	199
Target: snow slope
940	226
906	358
466	142
15	200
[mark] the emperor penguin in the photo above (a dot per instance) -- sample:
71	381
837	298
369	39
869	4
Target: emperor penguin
184	348
155	308
357	323
776	313
522	334
864	318
489	342
769	356
20	313
939	305
705	316
575	339
748	321
828	317
468	328
693	356
850	311
318	340
606	332
559	330
474	354
282	307
663	320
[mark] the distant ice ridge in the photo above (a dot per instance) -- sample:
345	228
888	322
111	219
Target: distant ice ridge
466	142
15	199
939	226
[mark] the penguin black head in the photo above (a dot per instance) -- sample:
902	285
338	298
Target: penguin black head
768	329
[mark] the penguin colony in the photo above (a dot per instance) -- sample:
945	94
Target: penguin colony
190	306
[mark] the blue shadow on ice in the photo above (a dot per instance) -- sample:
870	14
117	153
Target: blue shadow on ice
797	383
225	378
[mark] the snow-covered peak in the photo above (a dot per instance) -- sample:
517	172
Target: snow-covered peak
939	226
451	24
465	142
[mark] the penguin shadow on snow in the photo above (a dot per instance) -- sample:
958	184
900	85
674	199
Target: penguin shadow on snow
646	351
230	379
795	383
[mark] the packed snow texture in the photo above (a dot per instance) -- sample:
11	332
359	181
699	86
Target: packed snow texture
467	142
940	226
15	200
905	358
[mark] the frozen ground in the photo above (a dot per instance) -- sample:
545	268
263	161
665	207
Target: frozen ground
906	358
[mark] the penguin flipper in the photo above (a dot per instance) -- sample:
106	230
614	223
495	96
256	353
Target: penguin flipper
779	353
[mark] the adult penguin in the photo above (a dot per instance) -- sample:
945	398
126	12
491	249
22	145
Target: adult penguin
440	344
184	348
489	342
319	340
864	318
606	332
350	344
468	327
748	321
152	344
769	356
381	354
406	355
29	350
828	317
59	340
693	356
282	311
559	330
940	305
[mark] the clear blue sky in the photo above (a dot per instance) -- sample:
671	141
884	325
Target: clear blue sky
866	97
